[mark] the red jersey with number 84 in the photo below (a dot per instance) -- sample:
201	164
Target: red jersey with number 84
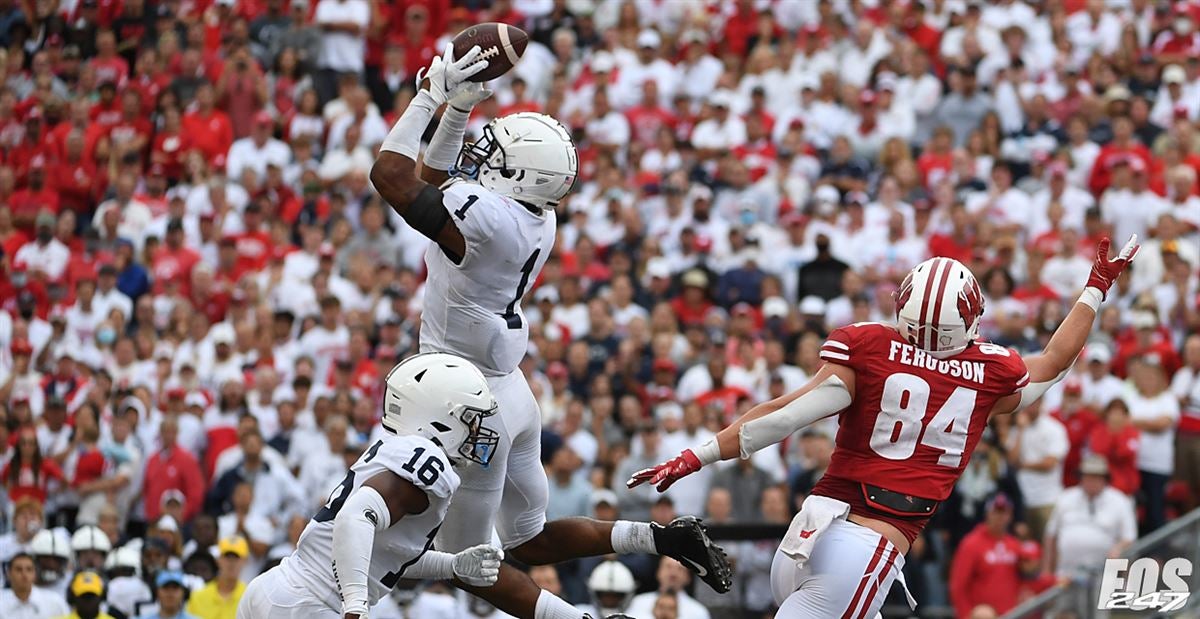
915	419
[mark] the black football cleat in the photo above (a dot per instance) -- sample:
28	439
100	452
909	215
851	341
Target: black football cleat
686	541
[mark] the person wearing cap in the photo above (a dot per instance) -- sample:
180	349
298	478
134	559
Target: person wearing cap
647	66
984	569
1090	523
219	598
722	130
1037	446
1156	413
85	596
171	594
257	150
1121	148
22	599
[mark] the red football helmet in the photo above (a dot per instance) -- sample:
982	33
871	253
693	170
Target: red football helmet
938	307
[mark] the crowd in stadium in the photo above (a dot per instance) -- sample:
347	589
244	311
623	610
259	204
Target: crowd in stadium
201	291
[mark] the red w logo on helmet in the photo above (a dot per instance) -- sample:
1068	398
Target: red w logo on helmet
903	293
970	303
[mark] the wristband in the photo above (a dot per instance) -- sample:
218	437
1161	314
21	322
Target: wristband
1091	297
405	136
709	452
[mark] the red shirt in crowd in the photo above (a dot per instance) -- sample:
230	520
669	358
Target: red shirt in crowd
170	265
173	469
211	133
948	246
76	182
89	466
1102	167
1079	425
1120	449
29	484
985	571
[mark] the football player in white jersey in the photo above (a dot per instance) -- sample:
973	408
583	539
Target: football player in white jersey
379	524
493	227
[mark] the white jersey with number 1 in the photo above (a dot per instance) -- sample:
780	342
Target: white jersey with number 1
413	458
473	308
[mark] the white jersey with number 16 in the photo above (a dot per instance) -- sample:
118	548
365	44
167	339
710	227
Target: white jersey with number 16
413	458
473	308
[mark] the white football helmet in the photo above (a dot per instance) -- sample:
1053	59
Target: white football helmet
90	537
938	307
445	399
527	156
612	587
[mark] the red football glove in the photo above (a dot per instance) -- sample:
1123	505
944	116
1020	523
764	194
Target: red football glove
668	472
1105	271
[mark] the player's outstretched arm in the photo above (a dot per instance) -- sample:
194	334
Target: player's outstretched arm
380	502
1068	340
826	393
394	172
442	152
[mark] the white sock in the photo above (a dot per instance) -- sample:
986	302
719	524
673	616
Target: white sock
550	606
630	538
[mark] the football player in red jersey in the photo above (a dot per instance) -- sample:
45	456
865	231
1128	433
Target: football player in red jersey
913	399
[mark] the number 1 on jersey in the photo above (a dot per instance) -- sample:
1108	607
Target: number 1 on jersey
899	426
510	313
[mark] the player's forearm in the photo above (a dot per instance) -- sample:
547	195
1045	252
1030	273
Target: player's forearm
443	149
354	528
1066	343
394	176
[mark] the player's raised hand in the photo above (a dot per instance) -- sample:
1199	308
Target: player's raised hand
447	76
1106	271
478	566
667	473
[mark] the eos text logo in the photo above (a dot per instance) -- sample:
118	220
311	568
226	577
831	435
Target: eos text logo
1135	586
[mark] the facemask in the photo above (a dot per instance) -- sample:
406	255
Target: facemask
106	336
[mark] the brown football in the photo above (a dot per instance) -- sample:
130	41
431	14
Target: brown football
502	47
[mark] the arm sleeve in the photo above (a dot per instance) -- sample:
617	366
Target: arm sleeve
825	399
433	565
354	528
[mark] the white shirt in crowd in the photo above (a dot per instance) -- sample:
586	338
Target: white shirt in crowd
643	606
1157	454
342	51
244	153
1044	437
1086	529
41	604
50	258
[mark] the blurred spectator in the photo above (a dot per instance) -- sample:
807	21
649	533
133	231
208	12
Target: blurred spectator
219	598
985	566
1038	444
172	468
1186	386
28	474
1155	413
1080	422
87	594
1090	522
24	600
170	593
673	578
1118	441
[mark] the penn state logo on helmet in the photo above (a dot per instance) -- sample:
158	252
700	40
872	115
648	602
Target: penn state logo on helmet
938	307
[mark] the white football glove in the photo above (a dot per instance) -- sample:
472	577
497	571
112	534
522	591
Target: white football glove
469	95
478	566
447	76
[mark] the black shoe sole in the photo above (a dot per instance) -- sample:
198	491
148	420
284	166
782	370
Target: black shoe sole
720	579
